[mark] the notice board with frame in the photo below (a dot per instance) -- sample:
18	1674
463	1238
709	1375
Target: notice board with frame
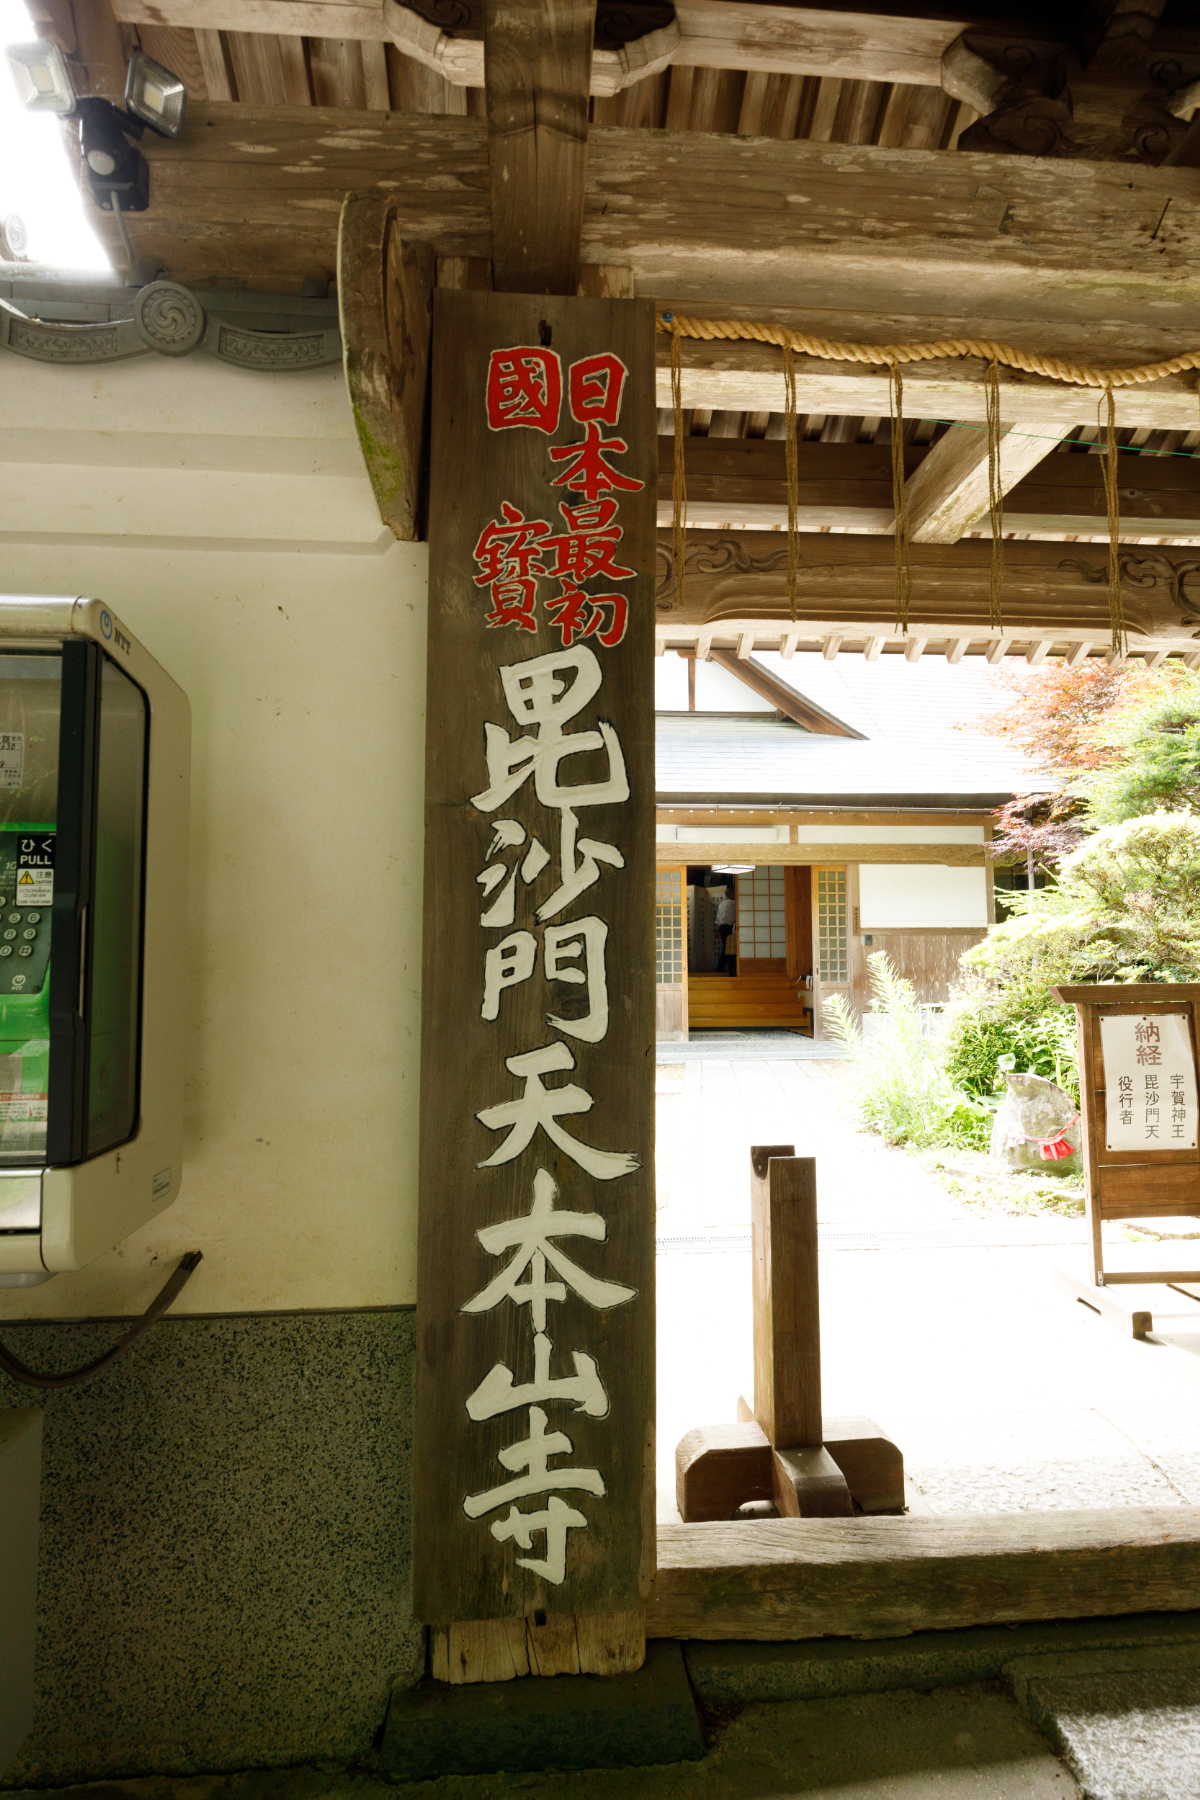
1138	1086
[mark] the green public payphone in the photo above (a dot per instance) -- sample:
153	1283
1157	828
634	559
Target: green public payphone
94	740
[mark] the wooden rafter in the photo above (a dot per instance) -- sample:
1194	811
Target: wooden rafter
950	491
850	45
743	482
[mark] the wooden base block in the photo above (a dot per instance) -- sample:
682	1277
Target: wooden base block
720	1467
546	1644
872	1464
1109	1302
807	1484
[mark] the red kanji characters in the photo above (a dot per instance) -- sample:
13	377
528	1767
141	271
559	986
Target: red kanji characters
596	385
587	546
590	473
508	554
524	387
580	615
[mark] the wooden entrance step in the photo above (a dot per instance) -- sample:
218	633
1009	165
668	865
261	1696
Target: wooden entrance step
730	1002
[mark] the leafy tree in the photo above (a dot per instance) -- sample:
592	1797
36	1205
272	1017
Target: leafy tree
1152	748
1053	715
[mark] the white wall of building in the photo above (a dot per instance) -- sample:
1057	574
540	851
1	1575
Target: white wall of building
305	669
898	896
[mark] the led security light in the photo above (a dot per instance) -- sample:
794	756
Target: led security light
154	95
40	72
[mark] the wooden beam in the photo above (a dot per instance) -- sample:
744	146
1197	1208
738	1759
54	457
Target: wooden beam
539	58
793	705
894	244
712	34
742	483
949	492
385	289
776	1579
748	377
1051	591
955	856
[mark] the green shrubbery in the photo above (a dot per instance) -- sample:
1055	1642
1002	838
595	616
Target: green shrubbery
1125	907
903	1089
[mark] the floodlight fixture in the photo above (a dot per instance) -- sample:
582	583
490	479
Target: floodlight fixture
117	173
154	95
40	72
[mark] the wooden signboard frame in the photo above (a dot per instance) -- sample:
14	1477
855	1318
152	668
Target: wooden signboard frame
1122	1183
534	1477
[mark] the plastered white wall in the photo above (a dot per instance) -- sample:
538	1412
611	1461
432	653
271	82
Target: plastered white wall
306	676
899	895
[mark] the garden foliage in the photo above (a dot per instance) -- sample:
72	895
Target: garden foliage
903	1089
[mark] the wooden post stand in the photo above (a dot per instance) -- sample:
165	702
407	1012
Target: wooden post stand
1141	1153
783	1450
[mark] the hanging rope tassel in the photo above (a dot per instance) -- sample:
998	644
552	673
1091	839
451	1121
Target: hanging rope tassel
995	492
679	475
1116	600
793	476
899	497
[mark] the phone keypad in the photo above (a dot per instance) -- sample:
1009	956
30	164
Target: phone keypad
25	933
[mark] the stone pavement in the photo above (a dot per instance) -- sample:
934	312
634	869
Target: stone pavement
1003	1393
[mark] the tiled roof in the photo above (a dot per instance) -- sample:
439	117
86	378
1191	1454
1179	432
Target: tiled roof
914	746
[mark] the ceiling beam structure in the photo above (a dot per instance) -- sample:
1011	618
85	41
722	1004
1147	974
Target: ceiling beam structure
852	45
741	483
888	244
950	492
1054	595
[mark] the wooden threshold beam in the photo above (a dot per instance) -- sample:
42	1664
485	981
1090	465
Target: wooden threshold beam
894	244
775	1579
742	482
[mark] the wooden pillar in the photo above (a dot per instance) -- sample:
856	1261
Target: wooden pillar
538	64
534	1462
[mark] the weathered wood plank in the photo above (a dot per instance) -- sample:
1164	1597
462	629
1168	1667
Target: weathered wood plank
740	578
385	290
949	492
748	377
775	1579
743	482
714	34
539	908
1051	253
799	40
538	68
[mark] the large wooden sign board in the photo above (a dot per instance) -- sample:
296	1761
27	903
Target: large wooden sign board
1138	1093
534	1477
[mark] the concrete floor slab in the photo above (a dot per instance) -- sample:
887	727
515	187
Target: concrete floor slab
730	1673
1126	1722
968	1743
